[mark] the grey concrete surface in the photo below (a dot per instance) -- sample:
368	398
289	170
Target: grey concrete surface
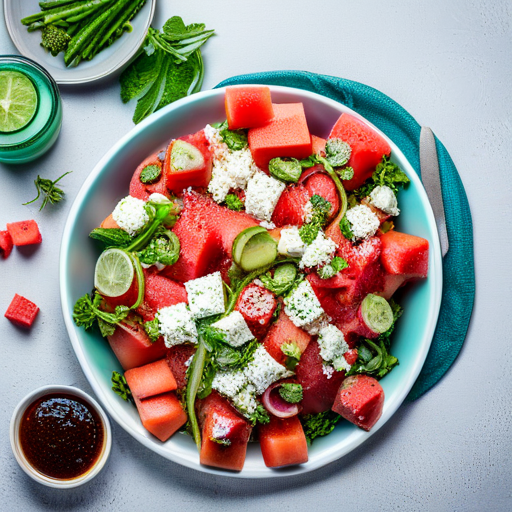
449	64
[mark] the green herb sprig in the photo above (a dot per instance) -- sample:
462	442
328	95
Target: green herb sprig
51	193
120	387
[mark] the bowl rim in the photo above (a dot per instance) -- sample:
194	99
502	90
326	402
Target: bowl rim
14	428
435	273
13	34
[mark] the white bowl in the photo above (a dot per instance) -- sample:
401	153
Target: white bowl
108	182
106	62
20	456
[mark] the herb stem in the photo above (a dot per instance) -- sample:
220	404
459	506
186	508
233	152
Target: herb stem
194	380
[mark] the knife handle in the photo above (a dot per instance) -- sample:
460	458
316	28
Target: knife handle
431	178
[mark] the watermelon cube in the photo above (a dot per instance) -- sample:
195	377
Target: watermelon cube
368	147
323	186
319	390
25	232
109	223
248	106
177	358
404	254
317	145
283	442
225	434
257	306
284	331
132	347
289	210
287	135
151	379
5	244
144	190
21	311
162	415
360	400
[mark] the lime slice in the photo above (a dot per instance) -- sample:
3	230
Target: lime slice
18	101
114	271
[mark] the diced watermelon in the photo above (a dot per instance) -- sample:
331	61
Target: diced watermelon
21	311
109	223
351	356
126	299
178	180
287	135
289	210
162	415
382	216
206	232
319	391
322	185
219	421
404	254
144	190
360	400
132	346
5	244
177	356
284	331
248	106
283	442
317	145
368	148
25	232
160	292
257	306
151	379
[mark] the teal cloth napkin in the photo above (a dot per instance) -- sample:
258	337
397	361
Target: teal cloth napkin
458	264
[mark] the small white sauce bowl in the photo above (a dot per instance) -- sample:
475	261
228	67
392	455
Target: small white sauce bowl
25	465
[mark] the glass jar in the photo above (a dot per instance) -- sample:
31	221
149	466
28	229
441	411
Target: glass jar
38	136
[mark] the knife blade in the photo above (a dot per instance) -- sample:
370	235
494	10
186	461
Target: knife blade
431	178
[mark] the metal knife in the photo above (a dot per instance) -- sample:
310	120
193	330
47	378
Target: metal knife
430	176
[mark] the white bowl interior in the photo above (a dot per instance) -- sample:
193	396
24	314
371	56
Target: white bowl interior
108	183
106	62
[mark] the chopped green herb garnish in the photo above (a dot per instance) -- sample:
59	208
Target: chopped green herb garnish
163	248
234	139
120	387
321	207
331	269
283	280
234	203
319	425
387	174
150	174
292	352
290	392
152	328
51	193
346	228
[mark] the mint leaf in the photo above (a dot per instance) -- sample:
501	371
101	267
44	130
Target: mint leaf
234	203
346	228
112	237
137	78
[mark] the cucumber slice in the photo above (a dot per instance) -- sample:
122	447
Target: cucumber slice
254	248
377	313
185	156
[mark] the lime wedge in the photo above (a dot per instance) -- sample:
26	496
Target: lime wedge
114	272
18	101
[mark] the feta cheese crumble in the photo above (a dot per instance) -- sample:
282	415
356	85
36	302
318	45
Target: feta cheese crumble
290	243
231	169
363	221
267	225
176	325
383	198
229	383
327	370
264	370
262	195
302	306
206	295
319	252
221	427
332	343
131	215
308	212
235	329
245	401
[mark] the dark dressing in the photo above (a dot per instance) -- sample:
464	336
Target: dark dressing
61	436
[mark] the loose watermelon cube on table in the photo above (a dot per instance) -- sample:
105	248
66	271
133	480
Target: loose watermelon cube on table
5	244
21	311
25	232
287	135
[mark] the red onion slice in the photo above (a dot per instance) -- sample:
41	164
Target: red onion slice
276	405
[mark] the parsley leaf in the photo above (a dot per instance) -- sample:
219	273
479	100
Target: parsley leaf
318	425
387	174
234	139
331	269
346	228
120	387
260	416
283	280
321	207
234	203
290	392
152	328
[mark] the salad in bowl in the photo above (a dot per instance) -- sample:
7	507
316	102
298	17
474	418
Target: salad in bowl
246	279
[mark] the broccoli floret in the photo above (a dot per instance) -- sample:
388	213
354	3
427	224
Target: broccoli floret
54	39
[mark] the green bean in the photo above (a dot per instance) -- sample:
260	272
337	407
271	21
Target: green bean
81	39
126	16
79	17
194	380
78	9
55	3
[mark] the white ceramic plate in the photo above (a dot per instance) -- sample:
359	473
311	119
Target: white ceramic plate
106	62
109	182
